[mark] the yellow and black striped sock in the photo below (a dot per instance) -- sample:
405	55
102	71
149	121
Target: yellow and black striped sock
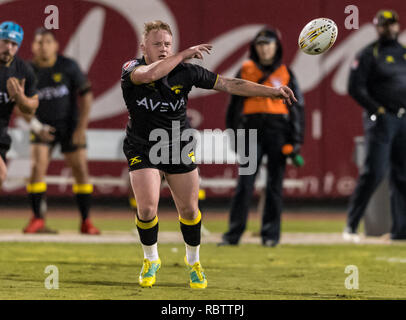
83	193
36	192
147	230
191	230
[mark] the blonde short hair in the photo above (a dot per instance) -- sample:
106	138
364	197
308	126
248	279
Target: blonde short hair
156	25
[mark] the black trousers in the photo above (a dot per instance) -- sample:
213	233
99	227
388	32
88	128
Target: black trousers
271	136
385	141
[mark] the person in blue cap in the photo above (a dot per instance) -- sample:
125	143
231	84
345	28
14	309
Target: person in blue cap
17	86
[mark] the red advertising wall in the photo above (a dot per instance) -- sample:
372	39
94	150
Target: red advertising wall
103	34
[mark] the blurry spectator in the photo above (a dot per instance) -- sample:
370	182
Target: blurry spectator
378	83
59	120
278	125
17	86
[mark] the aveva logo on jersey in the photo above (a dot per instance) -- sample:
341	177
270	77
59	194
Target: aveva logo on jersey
49	93
149	104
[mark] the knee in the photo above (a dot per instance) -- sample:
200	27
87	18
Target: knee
189	212
147	212
38	168
79	171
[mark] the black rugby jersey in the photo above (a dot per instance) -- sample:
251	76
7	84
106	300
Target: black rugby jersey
378	76
159	103
58	87
20	70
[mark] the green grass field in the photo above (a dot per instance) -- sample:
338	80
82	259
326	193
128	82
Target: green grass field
246	272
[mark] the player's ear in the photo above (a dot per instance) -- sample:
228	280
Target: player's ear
34	47
142	46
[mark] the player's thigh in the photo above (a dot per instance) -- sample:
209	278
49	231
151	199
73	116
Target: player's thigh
146	185
3	171
40	154
77	161
185	191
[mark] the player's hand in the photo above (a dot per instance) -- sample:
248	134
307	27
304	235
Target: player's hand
286	94
15	88
79	137
47	133
196	51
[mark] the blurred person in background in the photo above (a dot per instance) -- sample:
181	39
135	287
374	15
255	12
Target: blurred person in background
277	125
155	89
65	99
17	86
378	83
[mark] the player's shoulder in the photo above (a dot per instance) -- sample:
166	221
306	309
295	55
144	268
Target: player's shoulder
67	62
368	50
19	63
22	65
401	46
187	66
131	64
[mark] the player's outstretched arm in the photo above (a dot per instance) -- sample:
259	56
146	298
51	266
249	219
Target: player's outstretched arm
247	88
160	68
15	88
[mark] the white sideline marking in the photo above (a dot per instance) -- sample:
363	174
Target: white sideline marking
392	259
176	237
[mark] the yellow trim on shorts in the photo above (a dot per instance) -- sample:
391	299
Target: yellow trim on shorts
146	225
191	222
85	188
36	187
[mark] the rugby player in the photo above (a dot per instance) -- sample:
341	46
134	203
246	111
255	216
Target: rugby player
65	99
155	90
17	86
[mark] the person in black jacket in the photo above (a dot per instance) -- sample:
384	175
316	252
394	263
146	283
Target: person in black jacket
378	83
277	124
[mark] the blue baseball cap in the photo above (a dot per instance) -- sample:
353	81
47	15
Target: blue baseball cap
10	30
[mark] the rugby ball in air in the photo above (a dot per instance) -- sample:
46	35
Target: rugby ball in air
318	36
